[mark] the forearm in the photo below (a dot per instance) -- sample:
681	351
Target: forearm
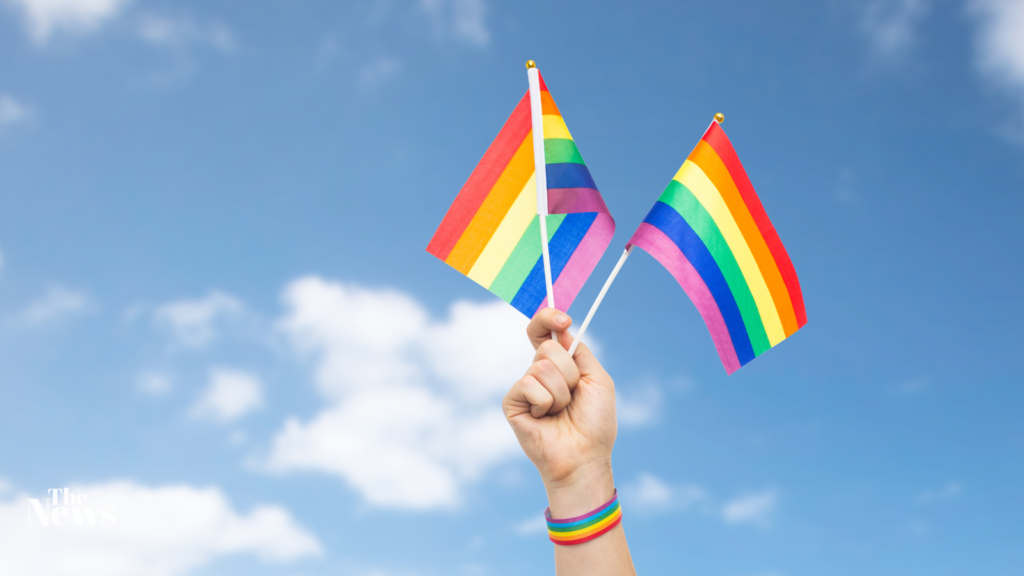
606	555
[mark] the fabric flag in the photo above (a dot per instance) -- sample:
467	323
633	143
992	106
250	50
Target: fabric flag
491	233
710	231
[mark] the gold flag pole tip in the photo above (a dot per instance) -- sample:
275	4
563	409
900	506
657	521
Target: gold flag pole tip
718	117
531	64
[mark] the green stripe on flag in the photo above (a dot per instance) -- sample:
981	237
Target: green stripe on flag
523	258
683	201
561	150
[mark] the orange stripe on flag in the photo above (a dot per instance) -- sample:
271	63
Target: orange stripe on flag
494	208
706	157
547	104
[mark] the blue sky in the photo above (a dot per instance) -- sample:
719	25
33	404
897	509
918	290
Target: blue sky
217	315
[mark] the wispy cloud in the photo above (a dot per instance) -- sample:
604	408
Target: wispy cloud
229	395
181	38
1000	49
1001	39
755	508
534	525
57	303
44	18
890	26
180	33
12	111
195	323
462	19
377	71
650	491
637	408
947	492
411	412
648	494
154	383
164	530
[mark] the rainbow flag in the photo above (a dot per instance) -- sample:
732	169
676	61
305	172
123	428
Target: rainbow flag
710	231
491	233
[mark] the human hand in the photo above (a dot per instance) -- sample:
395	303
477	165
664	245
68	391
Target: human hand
563	413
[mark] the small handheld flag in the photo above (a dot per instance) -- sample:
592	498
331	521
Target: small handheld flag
492	232
711	232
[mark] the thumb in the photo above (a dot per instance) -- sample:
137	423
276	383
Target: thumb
590	367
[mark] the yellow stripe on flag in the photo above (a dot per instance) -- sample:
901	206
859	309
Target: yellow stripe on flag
490	214
554	127
507	236
691	176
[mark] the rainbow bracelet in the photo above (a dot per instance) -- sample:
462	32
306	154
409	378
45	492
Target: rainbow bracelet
587	527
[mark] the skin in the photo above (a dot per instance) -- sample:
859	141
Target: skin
563	413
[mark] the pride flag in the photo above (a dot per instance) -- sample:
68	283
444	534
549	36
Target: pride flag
491	233
710	231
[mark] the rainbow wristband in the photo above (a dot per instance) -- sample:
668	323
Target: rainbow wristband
587	527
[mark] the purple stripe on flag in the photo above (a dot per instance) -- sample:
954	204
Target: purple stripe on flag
657	244
582	262
575	200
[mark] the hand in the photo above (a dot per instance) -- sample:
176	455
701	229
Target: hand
563	413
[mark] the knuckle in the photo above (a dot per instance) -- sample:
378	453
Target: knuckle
552	348
545	366
553	345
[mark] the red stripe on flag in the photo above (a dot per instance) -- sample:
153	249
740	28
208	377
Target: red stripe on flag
483	178
715	136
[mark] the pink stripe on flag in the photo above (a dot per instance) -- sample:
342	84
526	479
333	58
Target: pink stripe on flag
582	262
665	251
575	200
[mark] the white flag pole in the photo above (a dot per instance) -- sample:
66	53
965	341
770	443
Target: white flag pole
541	176
600	297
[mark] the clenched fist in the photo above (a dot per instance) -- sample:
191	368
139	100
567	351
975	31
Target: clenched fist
563	413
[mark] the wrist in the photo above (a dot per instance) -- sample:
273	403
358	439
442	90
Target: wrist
582	491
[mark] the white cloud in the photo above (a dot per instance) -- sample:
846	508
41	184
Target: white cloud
889	25
648	493
153	383
56	304
412	405
193	323
178	33
158	531
951	490
639	407
360	336
479	348
229	395
45	17
1001	40
463	19
13	112
755	508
